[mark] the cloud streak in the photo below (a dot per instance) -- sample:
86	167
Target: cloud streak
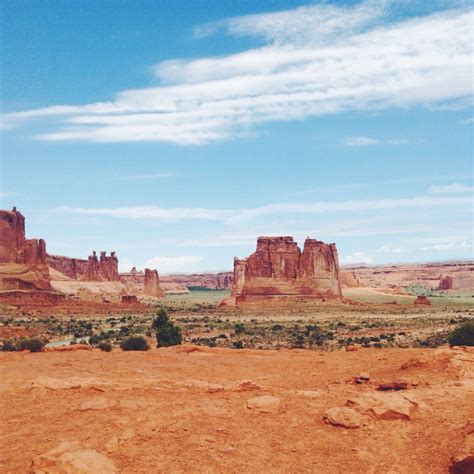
317	60
236	216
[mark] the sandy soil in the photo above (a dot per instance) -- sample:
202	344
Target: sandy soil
166	410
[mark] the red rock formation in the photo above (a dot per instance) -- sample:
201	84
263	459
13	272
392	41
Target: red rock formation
14	247
152	284
214	281
445	283
92	269
278	269
422	300
349	279
129	299
23	262
147	283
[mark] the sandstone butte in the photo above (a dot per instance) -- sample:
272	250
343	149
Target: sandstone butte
278	270
25	267
23	262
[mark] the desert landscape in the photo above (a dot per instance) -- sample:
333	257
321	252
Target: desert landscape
285	358
237	237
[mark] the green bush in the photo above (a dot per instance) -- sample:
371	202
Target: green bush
105	346
8	346
31	344
134	343
167	333
463	335
238	344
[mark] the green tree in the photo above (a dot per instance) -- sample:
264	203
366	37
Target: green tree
167	333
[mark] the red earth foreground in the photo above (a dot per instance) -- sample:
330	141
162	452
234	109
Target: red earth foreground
197	409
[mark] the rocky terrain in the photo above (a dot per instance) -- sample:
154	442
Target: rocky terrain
223	410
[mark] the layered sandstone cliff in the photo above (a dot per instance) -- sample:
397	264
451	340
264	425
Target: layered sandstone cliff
279	269
23	262
94	268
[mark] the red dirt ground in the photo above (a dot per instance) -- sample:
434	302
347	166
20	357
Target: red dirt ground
166	411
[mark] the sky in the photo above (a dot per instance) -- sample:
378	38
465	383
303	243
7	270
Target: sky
176	133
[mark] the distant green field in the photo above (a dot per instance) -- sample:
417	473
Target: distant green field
197	297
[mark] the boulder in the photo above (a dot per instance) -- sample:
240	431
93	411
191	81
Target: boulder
264	404
72	458
345	417
243	386
383	406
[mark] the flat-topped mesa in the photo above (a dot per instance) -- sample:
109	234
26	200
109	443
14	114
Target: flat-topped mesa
279	269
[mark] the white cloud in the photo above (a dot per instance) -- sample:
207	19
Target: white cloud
235	216
357	257
318	60
464	245
389	248
360	141
454	188
366	141
174	264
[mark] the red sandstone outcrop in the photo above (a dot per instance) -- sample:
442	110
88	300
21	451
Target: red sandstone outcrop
278	268
214	281
23	262
152	284
445	283
349	279
94	268
422	300
139	282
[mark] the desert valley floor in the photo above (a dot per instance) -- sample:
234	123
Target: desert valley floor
365	386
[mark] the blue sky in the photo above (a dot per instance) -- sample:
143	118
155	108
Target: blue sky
177	132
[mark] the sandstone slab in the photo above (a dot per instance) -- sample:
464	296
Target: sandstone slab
264	404
72	458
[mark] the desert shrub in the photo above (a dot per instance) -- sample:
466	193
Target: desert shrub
134	343
238	345
8	346
167	333
105	346
32	344
463	335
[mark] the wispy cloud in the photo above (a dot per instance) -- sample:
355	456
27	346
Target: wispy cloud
318	60
360	141
389	248
454	188
367	141
235	216
357	257
464	245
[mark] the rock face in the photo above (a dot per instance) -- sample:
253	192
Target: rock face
14	247
94	268
23	262
278	268
445	283
422	300
214	281
152	284
145	283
